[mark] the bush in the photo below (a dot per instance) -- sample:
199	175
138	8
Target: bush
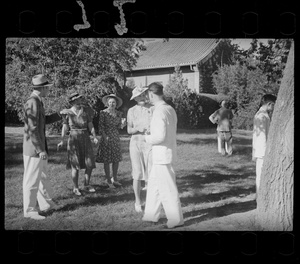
193	110
244	87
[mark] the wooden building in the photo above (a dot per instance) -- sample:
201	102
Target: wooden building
158	61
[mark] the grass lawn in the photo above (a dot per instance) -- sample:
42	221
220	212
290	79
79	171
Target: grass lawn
216	192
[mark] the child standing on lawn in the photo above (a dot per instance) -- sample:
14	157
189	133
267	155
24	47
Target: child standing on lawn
261	125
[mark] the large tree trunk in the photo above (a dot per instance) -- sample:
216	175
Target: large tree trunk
276	195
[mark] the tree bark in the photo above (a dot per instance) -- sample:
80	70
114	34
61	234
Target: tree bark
276	195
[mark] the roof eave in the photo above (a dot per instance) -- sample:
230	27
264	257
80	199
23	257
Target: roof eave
165	66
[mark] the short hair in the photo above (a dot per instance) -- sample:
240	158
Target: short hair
268	98
156	88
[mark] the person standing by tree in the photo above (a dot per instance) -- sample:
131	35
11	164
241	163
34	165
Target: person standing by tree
109	150
162	189
138	124
36	185
80	150
261	125
223	117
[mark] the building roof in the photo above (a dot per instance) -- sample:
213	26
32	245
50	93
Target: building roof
159	54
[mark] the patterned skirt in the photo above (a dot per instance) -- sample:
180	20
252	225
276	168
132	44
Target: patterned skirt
110	151
80	150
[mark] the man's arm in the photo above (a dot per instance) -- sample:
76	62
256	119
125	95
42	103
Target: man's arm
212	117
49	119
33	124
158	131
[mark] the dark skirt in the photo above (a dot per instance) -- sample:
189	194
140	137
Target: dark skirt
110	151
80	150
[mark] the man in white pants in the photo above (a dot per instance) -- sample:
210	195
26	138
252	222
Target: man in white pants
36	186
162	189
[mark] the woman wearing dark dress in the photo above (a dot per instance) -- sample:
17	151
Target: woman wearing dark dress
79	148
109	149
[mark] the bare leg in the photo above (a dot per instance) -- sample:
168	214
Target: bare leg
115	167
87	176
107	172
137	189
75	173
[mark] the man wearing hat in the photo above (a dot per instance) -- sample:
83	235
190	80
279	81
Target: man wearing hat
138	124
36	185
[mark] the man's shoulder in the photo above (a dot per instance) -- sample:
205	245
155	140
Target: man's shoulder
32	100
261	114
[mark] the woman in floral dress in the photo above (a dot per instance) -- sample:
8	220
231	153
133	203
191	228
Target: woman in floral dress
109	150
80	151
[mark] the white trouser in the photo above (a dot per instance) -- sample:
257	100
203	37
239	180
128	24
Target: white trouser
219	146
259	164
36	185
162	191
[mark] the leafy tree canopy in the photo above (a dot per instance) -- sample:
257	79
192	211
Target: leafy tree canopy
91	66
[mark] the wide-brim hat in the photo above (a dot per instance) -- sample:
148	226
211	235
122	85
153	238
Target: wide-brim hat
40	80
118	99
138	91
72	97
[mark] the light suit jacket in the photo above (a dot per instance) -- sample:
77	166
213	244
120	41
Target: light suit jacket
34	140
261	125
163	134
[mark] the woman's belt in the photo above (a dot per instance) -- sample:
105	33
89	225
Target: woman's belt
78	129
139	133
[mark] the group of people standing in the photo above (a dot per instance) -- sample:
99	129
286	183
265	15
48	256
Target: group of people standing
152	124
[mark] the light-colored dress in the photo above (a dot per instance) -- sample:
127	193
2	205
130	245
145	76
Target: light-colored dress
80	150
139	149
110	151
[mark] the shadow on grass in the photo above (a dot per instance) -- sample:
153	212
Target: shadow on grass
215	212
214	197
92	200
241	146
197	141
196	131
13	160
220	183
197	178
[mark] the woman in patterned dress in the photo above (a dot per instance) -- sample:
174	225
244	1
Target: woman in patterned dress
79	148
109	150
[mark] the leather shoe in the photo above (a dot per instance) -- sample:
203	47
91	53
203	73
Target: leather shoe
35	216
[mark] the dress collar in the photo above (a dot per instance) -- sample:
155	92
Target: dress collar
79	112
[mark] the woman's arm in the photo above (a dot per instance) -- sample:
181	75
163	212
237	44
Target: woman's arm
130	128
64	130
92	129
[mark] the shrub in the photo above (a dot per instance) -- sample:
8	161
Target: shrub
244	88
192	109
